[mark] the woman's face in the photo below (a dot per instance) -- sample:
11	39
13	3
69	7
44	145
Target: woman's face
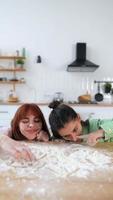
30	126
71	130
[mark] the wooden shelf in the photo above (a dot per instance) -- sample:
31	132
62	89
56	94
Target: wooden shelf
12	82
12	69
12	57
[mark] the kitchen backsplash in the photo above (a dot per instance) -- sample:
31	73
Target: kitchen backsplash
45	82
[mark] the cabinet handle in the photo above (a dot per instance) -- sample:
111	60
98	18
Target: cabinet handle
3	111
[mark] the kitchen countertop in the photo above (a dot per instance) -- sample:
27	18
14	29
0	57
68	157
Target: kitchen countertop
90	177
71	104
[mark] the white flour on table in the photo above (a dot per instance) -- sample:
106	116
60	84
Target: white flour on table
61	160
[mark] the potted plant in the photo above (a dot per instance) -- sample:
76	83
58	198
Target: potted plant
19	62
107	87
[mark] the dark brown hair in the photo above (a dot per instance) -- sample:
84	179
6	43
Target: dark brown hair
20	114
60	115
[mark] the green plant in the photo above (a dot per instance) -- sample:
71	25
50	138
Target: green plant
20	61
107	87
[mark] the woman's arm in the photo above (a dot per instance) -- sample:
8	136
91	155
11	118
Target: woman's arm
42	136
15	148
104	131
94	137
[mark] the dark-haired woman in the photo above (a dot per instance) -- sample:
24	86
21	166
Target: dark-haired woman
28	124
66	124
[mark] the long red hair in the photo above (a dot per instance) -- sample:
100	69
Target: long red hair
20	114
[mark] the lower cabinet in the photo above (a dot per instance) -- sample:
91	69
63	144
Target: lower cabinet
6	114
97	112
103	112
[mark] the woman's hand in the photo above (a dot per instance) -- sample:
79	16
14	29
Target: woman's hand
16	149
94	137
42	136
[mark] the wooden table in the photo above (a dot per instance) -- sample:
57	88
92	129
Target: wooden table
98	186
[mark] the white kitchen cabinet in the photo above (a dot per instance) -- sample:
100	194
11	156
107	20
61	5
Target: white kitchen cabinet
95	111
6	114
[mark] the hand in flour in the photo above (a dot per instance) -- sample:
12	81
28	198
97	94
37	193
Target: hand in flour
16	149
94	137
42	136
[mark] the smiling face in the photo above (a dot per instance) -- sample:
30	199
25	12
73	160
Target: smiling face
30	126
71	130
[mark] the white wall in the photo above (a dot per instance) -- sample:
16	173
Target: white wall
51	28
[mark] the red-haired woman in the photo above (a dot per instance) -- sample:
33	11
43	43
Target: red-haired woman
28	124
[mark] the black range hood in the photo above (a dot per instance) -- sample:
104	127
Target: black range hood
81	64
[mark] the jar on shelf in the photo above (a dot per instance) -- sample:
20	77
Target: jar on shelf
12	97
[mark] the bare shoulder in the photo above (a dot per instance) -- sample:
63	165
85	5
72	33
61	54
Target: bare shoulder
5	131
